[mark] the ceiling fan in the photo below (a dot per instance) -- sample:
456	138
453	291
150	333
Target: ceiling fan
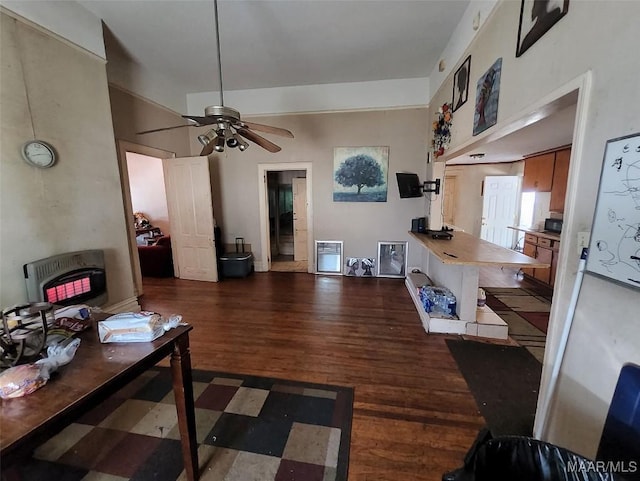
227	126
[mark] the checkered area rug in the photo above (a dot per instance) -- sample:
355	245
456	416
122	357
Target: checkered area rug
248	428
526	311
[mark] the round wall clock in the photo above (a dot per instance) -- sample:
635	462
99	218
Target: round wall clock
39	154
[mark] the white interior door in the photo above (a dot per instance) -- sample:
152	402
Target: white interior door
499	209
188	187
299	219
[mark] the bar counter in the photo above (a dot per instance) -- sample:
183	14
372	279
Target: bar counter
455	263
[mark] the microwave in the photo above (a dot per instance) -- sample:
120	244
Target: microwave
553	225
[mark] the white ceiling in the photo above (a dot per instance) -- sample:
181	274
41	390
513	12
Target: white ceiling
277	43
282	43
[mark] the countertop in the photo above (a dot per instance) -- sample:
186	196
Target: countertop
540	233
466	249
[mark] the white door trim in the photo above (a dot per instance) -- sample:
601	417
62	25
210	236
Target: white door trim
568	258
264	263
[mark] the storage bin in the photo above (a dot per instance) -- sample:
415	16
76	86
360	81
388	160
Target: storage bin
238	264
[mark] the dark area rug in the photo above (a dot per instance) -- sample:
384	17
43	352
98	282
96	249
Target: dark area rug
504	381
248	428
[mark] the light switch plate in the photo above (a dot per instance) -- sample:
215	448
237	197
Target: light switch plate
583	240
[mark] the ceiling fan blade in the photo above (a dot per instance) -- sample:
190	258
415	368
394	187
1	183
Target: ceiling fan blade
201	120
268	129
261	141
207	149
165	128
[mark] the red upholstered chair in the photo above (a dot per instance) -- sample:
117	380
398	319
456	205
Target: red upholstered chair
156	260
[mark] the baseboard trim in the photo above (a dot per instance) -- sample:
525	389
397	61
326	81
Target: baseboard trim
128	305
258	266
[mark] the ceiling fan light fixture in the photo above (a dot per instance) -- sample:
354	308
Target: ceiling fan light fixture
229	137
219	143
204	139
242	145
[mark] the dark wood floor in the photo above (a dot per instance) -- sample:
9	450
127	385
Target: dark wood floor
414	417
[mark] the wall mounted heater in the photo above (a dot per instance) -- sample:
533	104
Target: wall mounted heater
71	278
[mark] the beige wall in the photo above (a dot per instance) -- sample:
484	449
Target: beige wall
359	225
58	93
576	50
469	178
132	114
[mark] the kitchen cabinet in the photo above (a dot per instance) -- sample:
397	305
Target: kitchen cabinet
554	264
560	178
538	173
529	249
544	254
545	250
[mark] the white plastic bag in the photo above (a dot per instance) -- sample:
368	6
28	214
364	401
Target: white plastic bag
21	380
135	327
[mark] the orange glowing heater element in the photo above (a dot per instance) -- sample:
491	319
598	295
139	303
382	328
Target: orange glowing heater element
68	290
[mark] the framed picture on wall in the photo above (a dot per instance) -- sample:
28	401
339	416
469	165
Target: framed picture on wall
360	174
536	18
392	259
487	94
461	84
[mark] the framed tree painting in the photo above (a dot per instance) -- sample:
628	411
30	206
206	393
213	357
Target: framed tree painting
360	174
487	93
461	84
536	18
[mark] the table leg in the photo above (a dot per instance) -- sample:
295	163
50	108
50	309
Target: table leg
183	393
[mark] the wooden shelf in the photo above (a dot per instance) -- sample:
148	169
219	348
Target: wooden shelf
488	324
433	324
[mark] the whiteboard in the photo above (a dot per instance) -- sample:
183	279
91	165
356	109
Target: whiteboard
614	250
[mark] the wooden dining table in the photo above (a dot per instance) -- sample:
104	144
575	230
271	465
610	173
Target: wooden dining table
96	372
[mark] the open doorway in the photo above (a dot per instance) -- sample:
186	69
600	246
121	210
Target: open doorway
150	215
148	182
287	220
285	217
575	94
148	199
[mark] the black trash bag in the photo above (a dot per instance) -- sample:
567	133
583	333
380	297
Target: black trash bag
520	458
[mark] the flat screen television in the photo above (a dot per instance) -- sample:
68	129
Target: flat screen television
408	185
